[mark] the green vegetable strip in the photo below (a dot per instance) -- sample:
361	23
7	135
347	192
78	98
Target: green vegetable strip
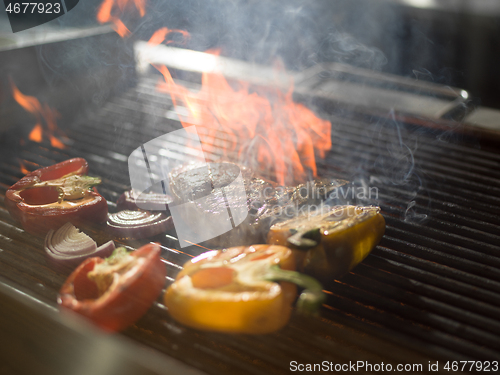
311	298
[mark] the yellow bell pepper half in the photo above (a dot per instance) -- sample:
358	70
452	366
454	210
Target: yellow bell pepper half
235	290
329	244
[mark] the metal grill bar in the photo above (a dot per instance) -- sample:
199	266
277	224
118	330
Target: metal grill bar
430	290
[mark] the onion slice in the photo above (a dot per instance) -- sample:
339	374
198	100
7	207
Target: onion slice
145	201
128	224
69	246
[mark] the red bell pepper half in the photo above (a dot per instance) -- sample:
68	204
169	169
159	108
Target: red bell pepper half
52	196
115	292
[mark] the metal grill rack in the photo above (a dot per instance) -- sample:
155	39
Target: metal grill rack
429	291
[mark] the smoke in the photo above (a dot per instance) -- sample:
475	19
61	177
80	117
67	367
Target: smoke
342	47
299	33
85	65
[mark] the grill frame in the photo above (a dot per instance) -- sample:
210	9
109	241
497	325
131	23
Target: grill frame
427	292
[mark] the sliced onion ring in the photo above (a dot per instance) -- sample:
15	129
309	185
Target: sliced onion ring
133	200
138	224
69	246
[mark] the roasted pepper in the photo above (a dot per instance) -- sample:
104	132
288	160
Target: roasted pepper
329	244
115	292
236	290
49	197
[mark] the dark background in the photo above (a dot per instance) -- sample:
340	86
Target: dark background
456	44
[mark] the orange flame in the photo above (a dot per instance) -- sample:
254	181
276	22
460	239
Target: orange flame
110	9
54	142
32	105
29	103
36	134
161	34
24	170
238	123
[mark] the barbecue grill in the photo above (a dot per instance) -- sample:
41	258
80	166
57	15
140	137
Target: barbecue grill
428	293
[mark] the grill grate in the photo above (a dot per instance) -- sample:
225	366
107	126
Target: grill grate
430	290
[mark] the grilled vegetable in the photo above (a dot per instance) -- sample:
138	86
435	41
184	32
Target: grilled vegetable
329	244
138	224
132	200
52	196
69	246
236	290
115	292
265	201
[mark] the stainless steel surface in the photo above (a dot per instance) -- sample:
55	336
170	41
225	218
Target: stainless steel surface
45	34
358	89
484	119
36	339
489	8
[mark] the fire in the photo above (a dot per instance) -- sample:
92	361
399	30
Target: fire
36	134
258	130
54	142
24	170
161	34
109	10
273	129
49	115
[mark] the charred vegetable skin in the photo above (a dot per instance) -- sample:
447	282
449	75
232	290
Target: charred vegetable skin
131	200
115	292
68	246
138	224
236	290
52	196
266	201
330	244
